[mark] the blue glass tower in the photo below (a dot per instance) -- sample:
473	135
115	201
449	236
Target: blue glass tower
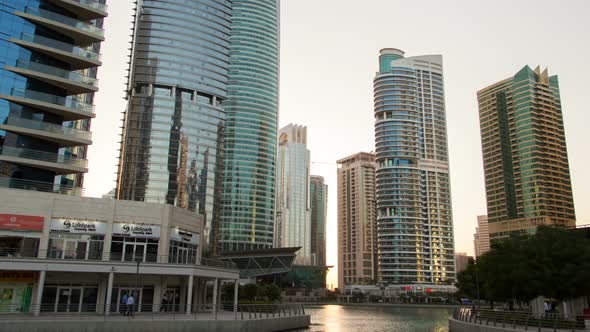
49	56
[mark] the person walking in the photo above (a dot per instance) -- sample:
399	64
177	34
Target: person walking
123	308
130	305
164	303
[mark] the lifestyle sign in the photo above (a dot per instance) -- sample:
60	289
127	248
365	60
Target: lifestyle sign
136	230
75	226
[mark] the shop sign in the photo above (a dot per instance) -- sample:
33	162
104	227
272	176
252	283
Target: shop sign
136	230
74	226
17	276
21	223
184	236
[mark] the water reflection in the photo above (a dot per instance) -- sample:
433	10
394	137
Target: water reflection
337	318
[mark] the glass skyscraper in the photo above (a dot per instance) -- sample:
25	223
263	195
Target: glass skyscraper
173	131
248	197
49	56
318	195
525	155
414	220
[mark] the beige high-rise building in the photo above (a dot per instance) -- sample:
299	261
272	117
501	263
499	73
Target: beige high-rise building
357	220
461	261
481	238
524	154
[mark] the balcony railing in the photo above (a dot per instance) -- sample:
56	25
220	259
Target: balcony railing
93	4
72	22
58	72
39	186
68	102
79	51
43	156
48	127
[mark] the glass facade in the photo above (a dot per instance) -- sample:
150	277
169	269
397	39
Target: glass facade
173	131
414	219
248	196
49	56
318	214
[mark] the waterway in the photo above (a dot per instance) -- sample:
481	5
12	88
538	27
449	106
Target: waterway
339	318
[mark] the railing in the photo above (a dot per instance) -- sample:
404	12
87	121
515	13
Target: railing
74	23
94	4
83	52
48	127
58	72
40	186
43	156
92	255
68	102
163	311
520	319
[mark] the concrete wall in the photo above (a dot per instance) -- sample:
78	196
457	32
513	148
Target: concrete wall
140	325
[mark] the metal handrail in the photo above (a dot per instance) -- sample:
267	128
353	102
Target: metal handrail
83	52
520	319
93	4
43	156
58	72
48	127
68	102
65	20
40	186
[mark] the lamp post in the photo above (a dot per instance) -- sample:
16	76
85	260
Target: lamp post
476	281
136	298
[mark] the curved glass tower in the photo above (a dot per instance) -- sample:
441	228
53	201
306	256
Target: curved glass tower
414	220
172	146
248	197
49	56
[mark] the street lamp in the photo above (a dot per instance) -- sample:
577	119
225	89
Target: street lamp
138	261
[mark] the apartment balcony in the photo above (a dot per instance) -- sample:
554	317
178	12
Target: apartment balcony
40	186
85	10
64	136
53	162
73	82
69	108
82	33
79	58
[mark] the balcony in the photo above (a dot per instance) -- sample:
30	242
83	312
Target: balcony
85	10
69	108
53	162
82	33
73	82
40	186
64	136
79	58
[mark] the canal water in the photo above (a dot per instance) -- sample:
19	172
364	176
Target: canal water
338	318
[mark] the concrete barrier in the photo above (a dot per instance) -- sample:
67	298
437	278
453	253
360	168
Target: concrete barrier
139	325
460	326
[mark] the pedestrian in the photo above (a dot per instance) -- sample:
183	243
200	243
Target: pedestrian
164	303
546	308
130	305
123	308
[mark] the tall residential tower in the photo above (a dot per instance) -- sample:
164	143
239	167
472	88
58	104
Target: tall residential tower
357	220
173	130
524	154
248	196
414	219
49	56
481	238
318	195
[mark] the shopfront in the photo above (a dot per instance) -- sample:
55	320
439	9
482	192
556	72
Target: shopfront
76	239
183	246
69	298
20	234
133	242
16	288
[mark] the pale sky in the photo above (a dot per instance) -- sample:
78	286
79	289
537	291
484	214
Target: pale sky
329	56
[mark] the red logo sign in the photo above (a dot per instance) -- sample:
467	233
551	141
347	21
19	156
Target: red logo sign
19	222
428	290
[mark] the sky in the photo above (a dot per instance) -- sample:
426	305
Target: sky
329	56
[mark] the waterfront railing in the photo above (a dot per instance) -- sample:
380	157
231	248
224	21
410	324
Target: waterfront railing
520	319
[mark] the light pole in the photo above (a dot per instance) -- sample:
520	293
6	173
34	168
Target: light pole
136	298
476	281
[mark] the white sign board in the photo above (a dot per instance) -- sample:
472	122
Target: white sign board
136	230
75	226
184	236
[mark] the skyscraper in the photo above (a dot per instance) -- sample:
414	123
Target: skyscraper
414	219
524	154
172	145
49	56
248	197
318	214
357	220
293	228
481	238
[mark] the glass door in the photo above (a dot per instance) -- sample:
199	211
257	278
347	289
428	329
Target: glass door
183	255
128	252
81	248
70	249
139	252
68	299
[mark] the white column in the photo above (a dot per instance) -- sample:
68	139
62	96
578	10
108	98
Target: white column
236	287
109	293
215	282
39	296
189	294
